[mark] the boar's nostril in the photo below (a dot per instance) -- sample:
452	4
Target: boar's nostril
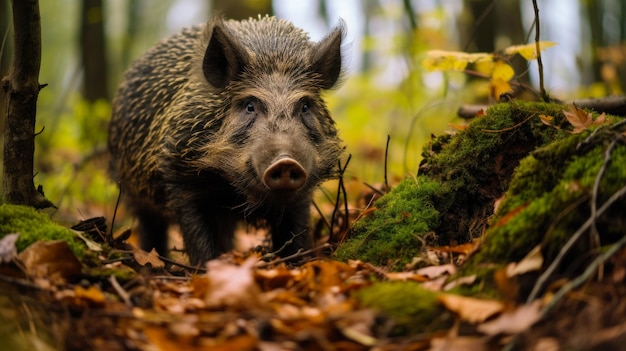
284	174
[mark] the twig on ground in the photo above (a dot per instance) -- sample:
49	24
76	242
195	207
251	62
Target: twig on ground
120	291
573	284
565	249
299	253
595	235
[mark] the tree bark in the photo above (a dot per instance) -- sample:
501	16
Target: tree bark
21	89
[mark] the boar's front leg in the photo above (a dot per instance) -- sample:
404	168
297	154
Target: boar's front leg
292	224
207	231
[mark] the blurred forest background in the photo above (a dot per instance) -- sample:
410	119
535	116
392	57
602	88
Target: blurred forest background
87	44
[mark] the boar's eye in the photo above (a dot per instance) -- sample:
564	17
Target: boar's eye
250	107
305	108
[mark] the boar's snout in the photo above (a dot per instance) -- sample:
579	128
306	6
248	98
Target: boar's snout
284	174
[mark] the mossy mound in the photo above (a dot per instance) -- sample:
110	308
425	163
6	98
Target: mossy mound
388	236
33	226
550	199
460	178
412	308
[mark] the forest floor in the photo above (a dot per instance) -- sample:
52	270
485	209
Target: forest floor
487	291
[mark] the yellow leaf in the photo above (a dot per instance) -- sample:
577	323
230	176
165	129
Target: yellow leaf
485	67
440	60
502	71
528	51
499	87
547	120
458	126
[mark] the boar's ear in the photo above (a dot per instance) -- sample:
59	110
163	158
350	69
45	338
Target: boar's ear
326	56
224	58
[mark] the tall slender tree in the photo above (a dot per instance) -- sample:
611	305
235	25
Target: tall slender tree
22	89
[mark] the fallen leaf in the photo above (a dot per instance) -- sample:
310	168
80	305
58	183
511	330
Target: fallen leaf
436	271
513	322
511	214
231	285
468	280
532	262
578	118
151	257
404	276
546	344
466	343
460	127
51	260
471	309
92	295
463	249
8	251
547	120
508	288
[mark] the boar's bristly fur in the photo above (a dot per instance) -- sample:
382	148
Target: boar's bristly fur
224	123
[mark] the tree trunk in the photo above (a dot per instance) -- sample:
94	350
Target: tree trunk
93	51
21	89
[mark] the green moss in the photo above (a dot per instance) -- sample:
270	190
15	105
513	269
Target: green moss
121	273
459	180
393	232
412	308
34	226
549	200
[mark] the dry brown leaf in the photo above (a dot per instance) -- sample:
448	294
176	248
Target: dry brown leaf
432	272
92	295
466	343
51	260
231	285
468	280
404	276
463	249
435	284
275	278
513	322
582	120
508	288
151	257
471	309
511	214
460	127
532	262
578	118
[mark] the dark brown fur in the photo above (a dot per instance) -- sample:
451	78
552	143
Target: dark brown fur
199	118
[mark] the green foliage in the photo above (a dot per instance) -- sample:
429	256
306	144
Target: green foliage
33	226
70	154
412	308
394	232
